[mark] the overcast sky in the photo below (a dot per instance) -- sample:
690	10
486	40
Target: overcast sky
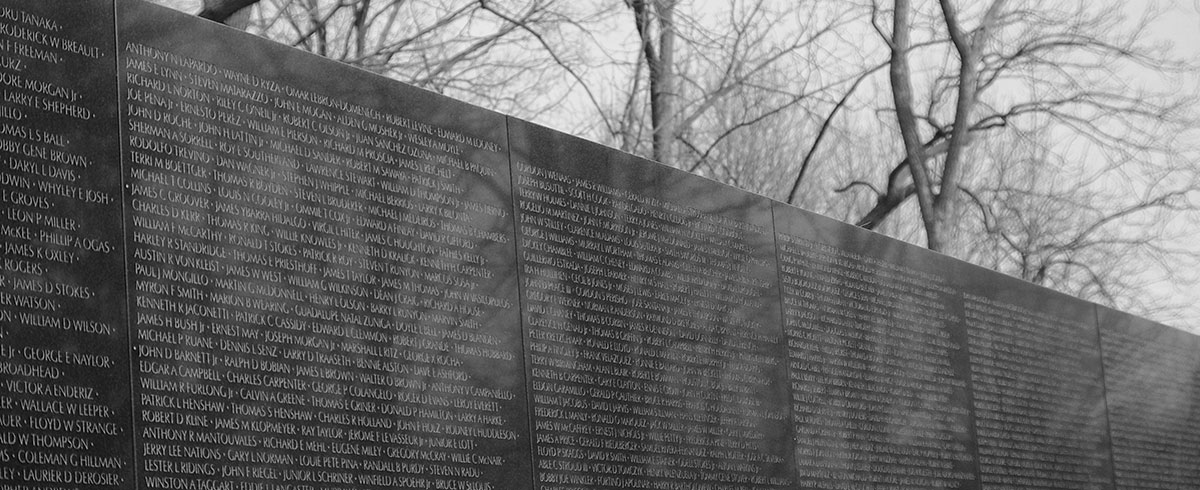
1181	24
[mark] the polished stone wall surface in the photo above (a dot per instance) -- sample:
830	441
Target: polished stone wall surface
64	357
231	265
1038	391
1151	374
877	358
322	270
652	322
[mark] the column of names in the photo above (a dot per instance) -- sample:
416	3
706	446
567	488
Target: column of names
63	398
1153	392
877	396
313	285
1038	397
647	371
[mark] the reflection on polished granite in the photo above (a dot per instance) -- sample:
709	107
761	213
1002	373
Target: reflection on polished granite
230	264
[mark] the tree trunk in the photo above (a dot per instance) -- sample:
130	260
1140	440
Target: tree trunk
970	52
663	106
660	63
938	199
899	74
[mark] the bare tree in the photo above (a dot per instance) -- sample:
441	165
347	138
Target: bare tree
738	71
1088	232
1058	63
937	197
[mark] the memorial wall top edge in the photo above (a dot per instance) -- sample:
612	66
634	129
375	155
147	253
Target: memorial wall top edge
254	53
388	92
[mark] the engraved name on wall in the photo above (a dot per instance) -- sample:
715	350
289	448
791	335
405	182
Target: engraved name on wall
875	362
1153	402
651	362
64	394
1038	394
230	265
319	284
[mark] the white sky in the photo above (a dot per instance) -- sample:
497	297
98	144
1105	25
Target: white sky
1180	24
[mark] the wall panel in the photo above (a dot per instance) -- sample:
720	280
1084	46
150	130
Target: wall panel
64	360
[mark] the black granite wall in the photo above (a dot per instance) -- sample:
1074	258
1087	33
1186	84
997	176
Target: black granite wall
232	265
